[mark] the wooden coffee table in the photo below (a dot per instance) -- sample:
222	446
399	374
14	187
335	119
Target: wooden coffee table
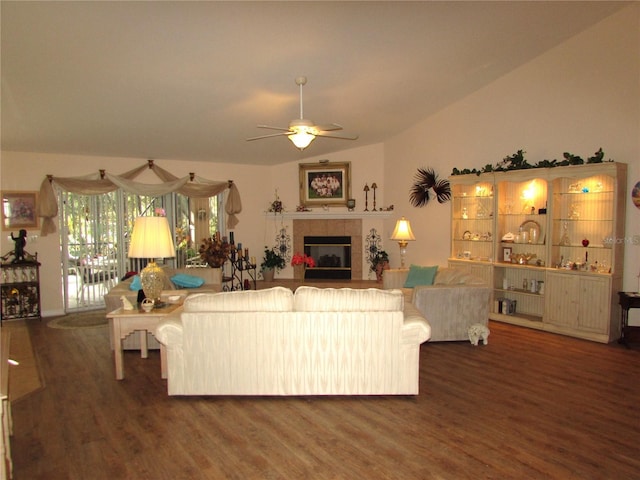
125	322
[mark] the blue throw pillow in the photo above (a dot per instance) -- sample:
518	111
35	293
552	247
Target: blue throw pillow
187	281
136	284
420	276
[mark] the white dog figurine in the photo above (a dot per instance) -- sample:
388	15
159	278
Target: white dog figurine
126	304
478	332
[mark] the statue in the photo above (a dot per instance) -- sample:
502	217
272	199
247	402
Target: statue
21	242
126	304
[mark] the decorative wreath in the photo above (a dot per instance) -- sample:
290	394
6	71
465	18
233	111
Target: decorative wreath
425	183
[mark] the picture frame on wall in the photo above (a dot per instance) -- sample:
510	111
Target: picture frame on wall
327	183
506	254
19	210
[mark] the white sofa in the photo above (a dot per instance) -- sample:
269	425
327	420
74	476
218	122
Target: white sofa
274	342
454	302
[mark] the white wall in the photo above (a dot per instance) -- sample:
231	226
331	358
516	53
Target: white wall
578	97
257	185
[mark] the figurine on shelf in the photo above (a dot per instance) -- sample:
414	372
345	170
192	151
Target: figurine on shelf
20	243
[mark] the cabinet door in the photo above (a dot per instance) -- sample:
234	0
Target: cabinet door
561	300
593	304
472	219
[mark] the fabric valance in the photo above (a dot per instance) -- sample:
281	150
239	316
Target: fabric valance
102	182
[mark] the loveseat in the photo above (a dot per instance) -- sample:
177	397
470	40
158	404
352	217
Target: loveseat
455	301
318	341
113	299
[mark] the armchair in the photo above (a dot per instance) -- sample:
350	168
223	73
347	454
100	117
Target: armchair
451	305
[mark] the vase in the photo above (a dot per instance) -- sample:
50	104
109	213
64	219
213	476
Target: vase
217	275
268	274
215	262
298	272
380	268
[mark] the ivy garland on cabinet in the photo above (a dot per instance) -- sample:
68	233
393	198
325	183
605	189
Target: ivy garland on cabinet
518	162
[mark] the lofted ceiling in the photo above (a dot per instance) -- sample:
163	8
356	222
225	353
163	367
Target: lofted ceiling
191	80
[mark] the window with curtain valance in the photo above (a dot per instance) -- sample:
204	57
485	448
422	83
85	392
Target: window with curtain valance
103	182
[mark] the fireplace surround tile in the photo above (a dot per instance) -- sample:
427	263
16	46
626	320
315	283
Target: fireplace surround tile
337	227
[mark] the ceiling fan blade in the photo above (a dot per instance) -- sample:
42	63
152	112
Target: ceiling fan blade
270	135
329	127
341	137
284	129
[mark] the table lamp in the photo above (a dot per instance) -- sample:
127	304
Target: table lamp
151	238
403	234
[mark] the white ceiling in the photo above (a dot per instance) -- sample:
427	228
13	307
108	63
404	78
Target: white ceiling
191	80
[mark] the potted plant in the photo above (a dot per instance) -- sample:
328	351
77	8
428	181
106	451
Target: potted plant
271	261
379	263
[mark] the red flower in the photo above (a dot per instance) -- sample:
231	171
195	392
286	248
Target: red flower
302	259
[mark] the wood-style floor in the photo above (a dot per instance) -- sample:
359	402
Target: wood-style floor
529	405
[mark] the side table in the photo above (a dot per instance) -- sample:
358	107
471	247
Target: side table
125	322
628	300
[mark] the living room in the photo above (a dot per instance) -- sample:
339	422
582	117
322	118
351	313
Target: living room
529	405
563	100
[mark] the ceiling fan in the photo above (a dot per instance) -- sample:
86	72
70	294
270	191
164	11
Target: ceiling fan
302	131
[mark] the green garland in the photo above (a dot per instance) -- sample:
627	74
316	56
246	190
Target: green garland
518	162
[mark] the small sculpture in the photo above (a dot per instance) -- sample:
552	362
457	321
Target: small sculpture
21	242
126	304
478	332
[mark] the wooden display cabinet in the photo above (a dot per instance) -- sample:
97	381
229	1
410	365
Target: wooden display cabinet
560	230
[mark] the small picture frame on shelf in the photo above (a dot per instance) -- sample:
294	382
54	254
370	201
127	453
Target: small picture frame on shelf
506	254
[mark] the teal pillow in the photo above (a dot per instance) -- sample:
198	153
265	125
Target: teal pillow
136	284
187	281
420	276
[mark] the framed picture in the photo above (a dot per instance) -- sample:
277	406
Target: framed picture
19	210
325	183
506	254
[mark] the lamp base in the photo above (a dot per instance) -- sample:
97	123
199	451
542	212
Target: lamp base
403	251
153	279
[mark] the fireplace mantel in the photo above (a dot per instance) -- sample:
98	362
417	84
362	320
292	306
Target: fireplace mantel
324	215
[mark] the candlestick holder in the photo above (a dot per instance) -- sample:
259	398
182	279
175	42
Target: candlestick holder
366	197
374	187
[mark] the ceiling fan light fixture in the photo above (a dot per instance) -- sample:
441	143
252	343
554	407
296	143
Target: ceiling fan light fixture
302	139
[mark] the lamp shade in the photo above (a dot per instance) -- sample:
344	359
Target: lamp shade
403	232
151	238
301	139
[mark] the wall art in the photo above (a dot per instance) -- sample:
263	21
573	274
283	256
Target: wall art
325	183
19	210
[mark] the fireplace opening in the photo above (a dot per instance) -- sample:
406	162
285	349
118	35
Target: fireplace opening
332	256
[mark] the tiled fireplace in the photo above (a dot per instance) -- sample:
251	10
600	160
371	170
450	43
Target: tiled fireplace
331	228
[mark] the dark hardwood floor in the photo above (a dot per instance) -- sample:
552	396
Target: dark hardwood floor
529	405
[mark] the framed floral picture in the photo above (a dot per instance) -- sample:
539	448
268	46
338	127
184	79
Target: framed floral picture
506	254
19	210
325	183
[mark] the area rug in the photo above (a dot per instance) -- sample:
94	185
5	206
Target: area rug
24	374
93	319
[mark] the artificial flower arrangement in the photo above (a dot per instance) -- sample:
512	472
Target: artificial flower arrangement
215	250
276	206
302	259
